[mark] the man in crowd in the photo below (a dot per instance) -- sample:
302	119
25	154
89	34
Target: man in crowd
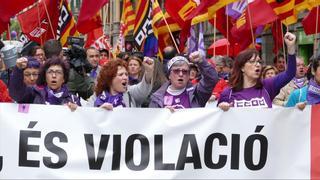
297	82
168	53
93	58
280	62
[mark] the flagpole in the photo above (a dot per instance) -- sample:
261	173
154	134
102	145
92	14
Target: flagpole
8	31
38	8
227	32
52	31
175	44
105	11
283	44
110	27
250	22
315	45
214	33
104	17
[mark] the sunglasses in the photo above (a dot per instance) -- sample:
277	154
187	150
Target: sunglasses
178	71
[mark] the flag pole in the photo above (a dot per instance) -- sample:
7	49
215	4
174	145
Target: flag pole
283	44
104	17
108	12
315	45
8	32
47	13
227	32
38	8
250	22
110	28
170	32
214	33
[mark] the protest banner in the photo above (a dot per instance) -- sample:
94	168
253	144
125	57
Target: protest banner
39	141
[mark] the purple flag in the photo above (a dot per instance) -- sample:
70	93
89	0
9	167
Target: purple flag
236	9
192	41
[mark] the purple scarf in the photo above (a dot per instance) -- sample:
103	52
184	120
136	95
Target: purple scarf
94	73
299	82
105	97
313	92
133	81
55	98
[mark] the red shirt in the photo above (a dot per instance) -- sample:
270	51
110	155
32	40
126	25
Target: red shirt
220	86
4	94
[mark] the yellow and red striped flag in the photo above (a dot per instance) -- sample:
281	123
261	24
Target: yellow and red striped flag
163	28
157	16
207	9
128	18
284	10
299	6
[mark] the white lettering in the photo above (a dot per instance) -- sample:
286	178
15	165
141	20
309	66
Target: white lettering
254	102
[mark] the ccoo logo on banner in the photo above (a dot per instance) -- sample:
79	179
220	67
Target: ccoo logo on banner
41	141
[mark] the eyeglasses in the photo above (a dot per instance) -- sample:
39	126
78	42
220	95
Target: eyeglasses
255	62
178	71
39	55
31	74
57	72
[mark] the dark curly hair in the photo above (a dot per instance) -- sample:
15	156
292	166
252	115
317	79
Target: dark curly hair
52	62
107	74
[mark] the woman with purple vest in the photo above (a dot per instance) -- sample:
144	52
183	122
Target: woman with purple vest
179	93
247	89
51	86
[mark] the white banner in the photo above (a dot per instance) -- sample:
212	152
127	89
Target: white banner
40	141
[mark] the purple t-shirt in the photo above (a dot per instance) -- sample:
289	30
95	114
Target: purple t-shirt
250	97
178	102
260	97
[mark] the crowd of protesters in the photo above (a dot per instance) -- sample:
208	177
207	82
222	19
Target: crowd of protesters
46	76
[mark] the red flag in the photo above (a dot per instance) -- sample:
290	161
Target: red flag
97	39
277	34
259	17
309	22
180	10
92	36
224	24
89	18
29	21
242	30
11	8
241	33
2	27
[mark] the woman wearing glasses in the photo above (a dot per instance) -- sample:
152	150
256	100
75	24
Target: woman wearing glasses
51	86
247	89
28	70
179	93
